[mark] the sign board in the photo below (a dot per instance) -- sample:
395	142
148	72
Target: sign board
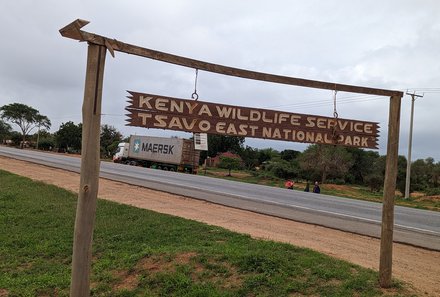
160	112
201	141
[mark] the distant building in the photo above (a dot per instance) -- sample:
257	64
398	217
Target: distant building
213	162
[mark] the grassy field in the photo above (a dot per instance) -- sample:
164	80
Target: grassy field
348	191
141	253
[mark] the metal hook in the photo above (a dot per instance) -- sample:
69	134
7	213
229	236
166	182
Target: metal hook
335	135
194	95
335	113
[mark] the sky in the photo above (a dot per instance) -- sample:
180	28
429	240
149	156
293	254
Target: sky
380	44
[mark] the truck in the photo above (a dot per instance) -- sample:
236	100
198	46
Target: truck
172	154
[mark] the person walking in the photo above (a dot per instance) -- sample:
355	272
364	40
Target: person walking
289	184
316	188
307	188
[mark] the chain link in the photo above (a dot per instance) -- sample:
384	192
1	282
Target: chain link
194	95
335	134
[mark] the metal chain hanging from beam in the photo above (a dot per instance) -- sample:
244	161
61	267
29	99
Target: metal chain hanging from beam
194	95
335	135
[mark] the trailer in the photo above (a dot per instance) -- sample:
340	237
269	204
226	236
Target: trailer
172	154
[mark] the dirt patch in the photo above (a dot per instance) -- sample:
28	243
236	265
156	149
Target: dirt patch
151	266
164	263
428	198
127	281
417	266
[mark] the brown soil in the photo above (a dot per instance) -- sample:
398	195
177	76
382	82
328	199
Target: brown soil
429	198
417	266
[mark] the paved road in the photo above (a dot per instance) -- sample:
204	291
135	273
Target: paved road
412	226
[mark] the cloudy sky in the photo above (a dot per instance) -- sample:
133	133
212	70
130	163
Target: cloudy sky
384	44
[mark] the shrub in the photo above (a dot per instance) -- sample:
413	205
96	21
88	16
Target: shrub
374	182
432	191
46	144
337	181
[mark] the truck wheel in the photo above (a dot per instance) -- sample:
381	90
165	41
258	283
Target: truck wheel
165	168
133	163
159	167
172	169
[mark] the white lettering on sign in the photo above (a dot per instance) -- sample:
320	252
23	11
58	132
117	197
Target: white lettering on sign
153	111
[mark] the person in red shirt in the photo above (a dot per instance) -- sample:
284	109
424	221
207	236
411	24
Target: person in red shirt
289	184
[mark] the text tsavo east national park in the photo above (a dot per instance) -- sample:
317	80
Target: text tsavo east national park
153	111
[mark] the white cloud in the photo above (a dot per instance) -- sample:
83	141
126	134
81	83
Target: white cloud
392	44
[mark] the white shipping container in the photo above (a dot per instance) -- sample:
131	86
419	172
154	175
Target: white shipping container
166	150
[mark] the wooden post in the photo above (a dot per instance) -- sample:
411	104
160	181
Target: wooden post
386	243
90	163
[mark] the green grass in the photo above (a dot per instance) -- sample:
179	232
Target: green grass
142	253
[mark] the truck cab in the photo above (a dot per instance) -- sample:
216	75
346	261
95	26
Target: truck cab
121	153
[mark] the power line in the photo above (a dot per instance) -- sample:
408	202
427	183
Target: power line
325	102
318	103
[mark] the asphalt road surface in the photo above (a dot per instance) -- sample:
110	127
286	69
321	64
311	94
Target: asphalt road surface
412	226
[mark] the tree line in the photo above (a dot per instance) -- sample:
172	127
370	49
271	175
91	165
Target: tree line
326	164
35	133
323	163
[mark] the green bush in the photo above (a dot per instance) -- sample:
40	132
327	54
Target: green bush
337	181
263	174
432	191
374	182
281	169
46	144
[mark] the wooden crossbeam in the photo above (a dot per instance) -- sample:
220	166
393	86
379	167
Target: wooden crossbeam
73	30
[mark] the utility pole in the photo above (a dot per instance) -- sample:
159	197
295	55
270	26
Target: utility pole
408	165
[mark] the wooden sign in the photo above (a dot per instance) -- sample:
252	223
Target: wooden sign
153	111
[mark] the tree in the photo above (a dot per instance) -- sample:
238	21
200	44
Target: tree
249	156
220	144
229	163
110	138
25	117
289	155
436	175
325	161
268	154
374	181
282	169
375	178
425	174
401	174
362	164
224	143
16	138
5	130
430	171
45	139
69	136
41	121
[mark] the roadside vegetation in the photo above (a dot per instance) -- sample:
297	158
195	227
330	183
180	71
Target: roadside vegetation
344	171
141	253
341	171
